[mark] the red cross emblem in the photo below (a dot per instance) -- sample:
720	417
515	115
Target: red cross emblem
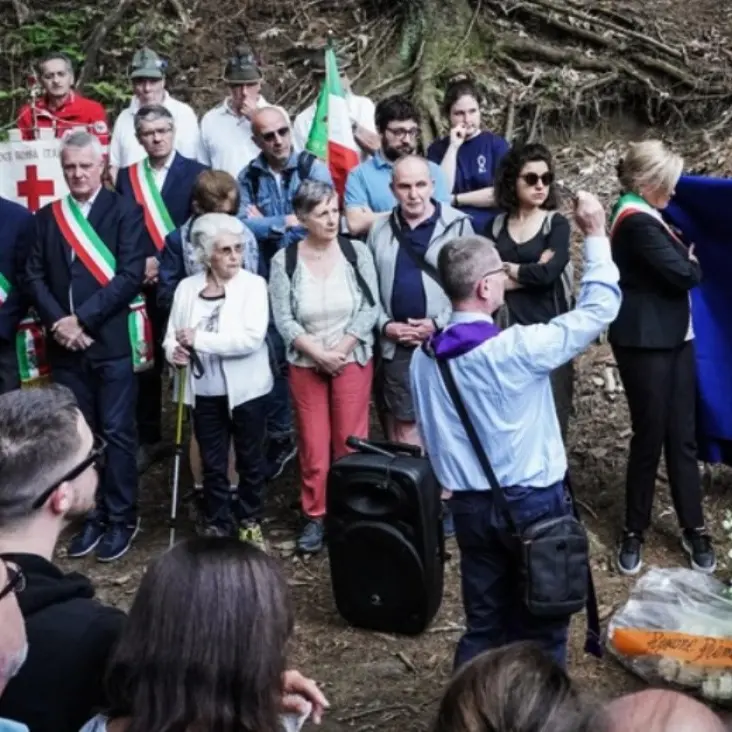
33	188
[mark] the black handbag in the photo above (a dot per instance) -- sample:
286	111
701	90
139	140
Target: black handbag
555	575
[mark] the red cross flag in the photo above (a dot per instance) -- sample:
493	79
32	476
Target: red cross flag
30	172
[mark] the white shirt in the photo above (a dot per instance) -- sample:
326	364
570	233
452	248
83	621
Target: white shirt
206	312
125	150
361	109
226	138
160	174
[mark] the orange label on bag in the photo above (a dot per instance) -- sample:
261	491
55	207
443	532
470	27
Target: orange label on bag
697	649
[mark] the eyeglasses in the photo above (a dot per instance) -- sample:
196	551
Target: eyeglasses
282	133
531	179
492	272
94	458
402	133
161	131
16	580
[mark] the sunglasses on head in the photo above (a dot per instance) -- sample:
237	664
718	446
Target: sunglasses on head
282	132
94	458
531	179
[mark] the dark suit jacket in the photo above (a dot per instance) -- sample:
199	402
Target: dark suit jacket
176	194
14	223
172	269
50	274
655	278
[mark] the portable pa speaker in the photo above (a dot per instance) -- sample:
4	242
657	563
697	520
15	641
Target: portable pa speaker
385	537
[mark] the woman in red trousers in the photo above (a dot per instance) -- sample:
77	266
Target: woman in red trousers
323	293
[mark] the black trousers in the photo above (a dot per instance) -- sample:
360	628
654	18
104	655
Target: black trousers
9	374
214	428
150	382
660	385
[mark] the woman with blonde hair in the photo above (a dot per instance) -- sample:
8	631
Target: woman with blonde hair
653	343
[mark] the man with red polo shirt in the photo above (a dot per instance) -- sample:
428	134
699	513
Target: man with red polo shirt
61	108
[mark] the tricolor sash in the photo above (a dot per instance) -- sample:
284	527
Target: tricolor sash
631	203
5	288
157	218
101	263
30	349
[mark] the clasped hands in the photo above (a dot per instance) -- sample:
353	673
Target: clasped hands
182	352
68	332
411	333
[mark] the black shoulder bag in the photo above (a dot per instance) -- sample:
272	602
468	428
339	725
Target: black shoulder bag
421	262
556	579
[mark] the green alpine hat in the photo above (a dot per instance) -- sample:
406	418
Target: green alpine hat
146	64
242	68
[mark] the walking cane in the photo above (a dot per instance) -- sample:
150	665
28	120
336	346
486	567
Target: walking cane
182	375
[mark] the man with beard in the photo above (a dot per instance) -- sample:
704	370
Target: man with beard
50	459
61	108
162	184
148	84
368	190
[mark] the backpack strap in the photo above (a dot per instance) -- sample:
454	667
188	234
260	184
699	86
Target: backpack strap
291	259
253	174
351	256
546	227
497	226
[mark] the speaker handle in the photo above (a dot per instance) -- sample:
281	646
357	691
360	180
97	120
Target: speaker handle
383	447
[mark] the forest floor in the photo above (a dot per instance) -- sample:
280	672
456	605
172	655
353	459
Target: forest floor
376	681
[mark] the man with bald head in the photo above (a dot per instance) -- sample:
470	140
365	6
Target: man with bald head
658	710
503	377
405	245
268	186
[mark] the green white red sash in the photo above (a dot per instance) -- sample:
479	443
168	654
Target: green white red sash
157	218
30	349
5	288
631	203
101	263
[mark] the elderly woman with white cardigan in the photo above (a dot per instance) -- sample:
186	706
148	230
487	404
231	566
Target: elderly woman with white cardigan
222	314
324	295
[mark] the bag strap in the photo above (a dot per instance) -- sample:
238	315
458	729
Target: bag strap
497	225
290	259
350	255
421	263
485	464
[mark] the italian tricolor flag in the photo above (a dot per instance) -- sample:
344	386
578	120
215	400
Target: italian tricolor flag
331	136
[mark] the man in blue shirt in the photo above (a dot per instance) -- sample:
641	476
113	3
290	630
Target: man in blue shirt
505	383
267	187
368	188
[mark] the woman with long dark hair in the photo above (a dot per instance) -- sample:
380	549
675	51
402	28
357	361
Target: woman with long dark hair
533	241
204	645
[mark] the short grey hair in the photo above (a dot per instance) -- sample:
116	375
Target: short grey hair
39	435
80	139
311	193
207	228
152	113
56	56
463	261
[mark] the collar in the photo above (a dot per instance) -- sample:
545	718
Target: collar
227	108
70	99
90	202
167	164
261	162
465	316
461	337
135	102
380	161
431	221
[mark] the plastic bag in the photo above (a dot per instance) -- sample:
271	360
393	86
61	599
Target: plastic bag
676	630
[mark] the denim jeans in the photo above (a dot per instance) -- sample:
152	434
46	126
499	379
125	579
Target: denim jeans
214	427
279	406
489	564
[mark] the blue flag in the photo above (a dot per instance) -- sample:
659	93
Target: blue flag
702	210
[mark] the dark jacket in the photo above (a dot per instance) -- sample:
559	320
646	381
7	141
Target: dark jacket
14	221
50	274
656	276
177	193
70	638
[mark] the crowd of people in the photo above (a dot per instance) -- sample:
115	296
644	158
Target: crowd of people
223	252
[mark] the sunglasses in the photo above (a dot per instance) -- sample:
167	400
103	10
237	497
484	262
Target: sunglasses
94	458
270	136
531	179
16	581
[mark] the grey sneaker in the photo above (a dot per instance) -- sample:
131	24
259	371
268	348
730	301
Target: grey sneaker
697	544
629	554
311	539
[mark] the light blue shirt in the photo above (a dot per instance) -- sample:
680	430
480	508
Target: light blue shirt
506	389
369	185
7	725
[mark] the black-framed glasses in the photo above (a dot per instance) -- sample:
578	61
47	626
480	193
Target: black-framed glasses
401	133
492	272
531	179
16	580
95	458
282	132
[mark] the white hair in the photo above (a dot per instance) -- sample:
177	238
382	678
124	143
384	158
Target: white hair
81	139
207	228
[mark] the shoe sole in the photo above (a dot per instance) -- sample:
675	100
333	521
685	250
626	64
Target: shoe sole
288	458
628	572
689	553
86	552
106	560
